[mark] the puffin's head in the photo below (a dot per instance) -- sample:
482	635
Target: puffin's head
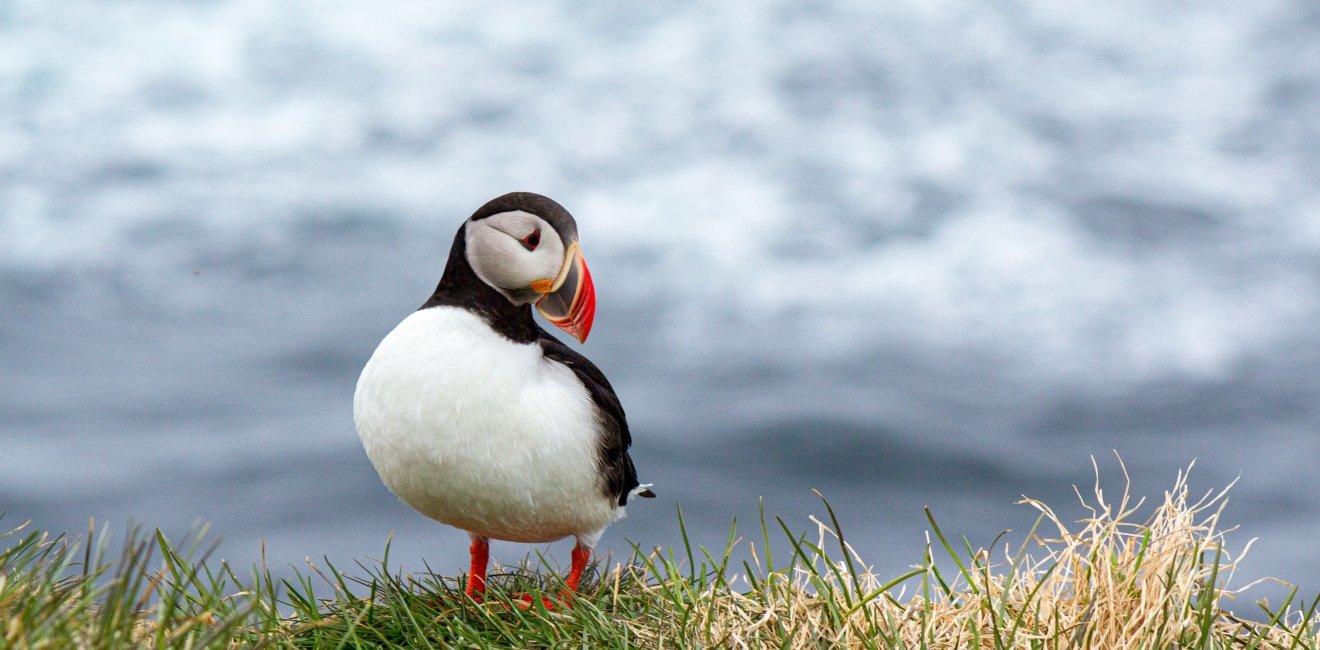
525	246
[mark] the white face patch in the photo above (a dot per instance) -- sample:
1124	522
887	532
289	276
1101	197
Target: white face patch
497	250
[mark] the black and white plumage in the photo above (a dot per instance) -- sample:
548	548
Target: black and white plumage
477	417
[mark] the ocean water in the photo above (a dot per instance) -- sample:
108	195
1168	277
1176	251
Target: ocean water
909	254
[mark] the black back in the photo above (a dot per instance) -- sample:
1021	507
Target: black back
616	466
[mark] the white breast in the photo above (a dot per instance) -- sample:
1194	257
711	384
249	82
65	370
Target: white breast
481	433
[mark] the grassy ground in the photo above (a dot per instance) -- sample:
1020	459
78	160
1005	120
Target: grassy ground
1110	581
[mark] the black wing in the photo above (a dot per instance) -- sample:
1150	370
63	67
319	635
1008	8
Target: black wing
615	464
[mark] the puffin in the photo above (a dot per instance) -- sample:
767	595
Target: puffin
478	418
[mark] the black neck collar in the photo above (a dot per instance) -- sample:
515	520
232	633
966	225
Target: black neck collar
460	287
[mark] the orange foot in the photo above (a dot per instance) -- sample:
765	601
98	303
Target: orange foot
565	601
476	585
581	555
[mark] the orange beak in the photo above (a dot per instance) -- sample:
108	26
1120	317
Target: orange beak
570	302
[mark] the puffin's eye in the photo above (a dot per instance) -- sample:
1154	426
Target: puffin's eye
531	241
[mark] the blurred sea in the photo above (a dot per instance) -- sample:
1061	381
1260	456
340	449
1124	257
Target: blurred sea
908	253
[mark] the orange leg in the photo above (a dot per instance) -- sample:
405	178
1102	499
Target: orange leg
581	556
480	550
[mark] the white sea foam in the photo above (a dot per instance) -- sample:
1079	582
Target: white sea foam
1052	185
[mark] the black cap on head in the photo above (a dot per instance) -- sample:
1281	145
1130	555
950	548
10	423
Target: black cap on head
532	203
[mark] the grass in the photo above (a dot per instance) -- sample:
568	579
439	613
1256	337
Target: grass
1109	581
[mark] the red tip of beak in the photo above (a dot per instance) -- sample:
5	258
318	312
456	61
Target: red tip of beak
583	312
572	307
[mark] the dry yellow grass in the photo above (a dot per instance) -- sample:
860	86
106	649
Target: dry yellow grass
1107	582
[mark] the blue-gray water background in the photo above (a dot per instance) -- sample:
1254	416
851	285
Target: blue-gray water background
908	253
